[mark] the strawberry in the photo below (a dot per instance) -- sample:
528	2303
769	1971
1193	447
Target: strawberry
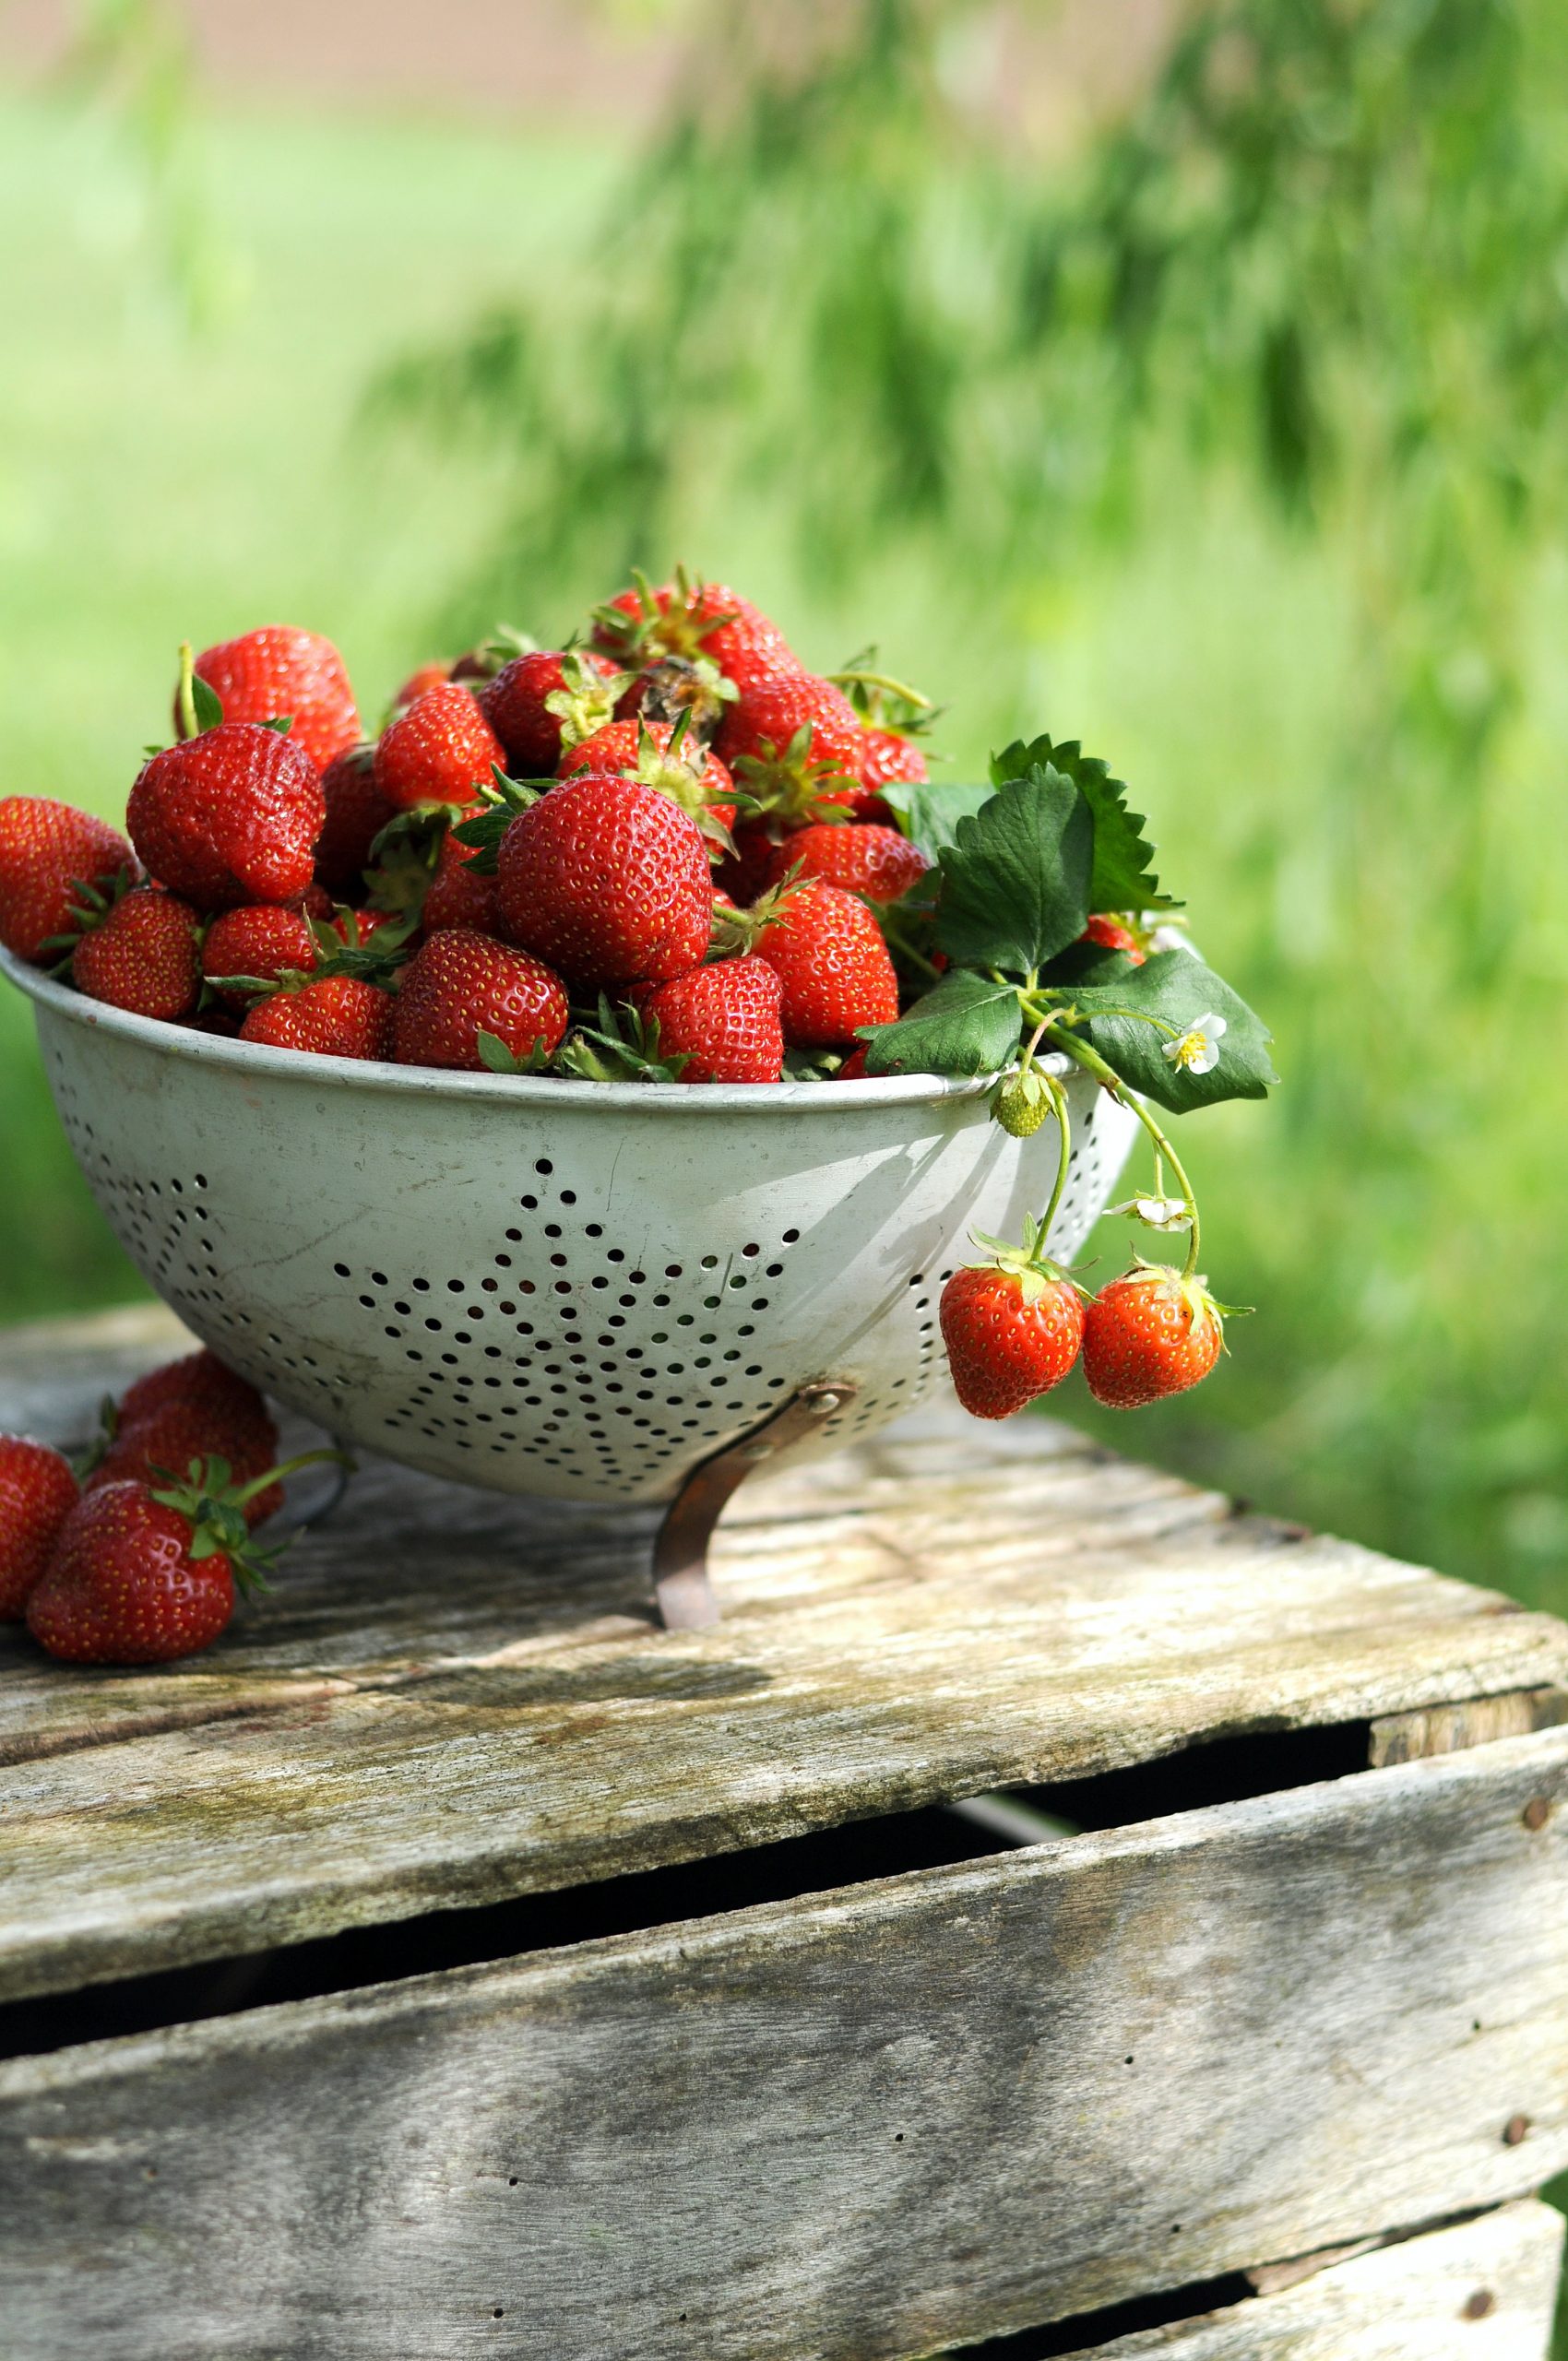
877	862
356	813
608	882
48	852
440	751
828	953
1013	1329
888	758
197	1377
143	956
744	875
541	704
724	1019
162	1443
492	655
689	620
427	676
36	1493
854	1066
458	896
464	986
1154	1331
1112	935
229	817
678	765
263	941
794	742
329	1016
279	671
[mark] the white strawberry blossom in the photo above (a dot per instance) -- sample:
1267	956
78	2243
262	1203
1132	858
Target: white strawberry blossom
1156	1213
1196	1050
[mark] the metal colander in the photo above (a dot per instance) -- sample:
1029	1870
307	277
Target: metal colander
567	1288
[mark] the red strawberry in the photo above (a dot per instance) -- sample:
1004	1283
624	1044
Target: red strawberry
744	875
877	862
854	1066
794	741
726	1016
828	953
356	813
164	1441
689	619
332	1016
197	1377
48	852
1013	1330
691	773
1150	1332
463	984
608	882
1111	935
540	704
428	676
441	751
457	897
278	670
36	1493
887	757
143	956
229	817
262	940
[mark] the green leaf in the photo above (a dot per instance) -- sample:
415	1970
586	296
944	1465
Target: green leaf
1015	878
1123	876
499	1059
964	1025
282	722
208	703
1177	988
929	815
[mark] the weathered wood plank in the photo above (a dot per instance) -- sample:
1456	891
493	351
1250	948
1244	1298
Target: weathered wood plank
1475	1721
452	1697
1483	2291
941	2107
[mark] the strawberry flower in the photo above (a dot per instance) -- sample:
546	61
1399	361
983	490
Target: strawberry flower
1156	1213
1196	1050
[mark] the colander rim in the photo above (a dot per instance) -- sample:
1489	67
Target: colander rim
523	1090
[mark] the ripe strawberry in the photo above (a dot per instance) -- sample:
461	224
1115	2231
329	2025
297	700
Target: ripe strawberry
1013	1329
428	676
887	758
744	875
264	940
690	620
828	953
458	896
794	741
356	813
681	767
279	671
229	817
48	852
877	862
143	956
608	882
726	1017
162	1443
463	984
36	1493
331	1016
440	751
1111	935
541	704
196	1377
1148	1334
854	1066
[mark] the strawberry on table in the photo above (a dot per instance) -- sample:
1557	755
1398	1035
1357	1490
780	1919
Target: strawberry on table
49	852
164	1441
827	952
229	817
1153	1332
876	861
326	1016
143	956
280	671
608	882
195	1377
463	985
442	750
724	1019
356	813
38	1491
541	704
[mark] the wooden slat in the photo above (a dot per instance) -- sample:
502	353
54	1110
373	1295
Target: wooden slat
929	2109
452	1697
1483	2291
1476	1721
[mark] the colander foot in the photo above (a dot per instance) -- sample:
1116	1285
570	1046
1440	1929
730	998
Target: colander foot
682	1589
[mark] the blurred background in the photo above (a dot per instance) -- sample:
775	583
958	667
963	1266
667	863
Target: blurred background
1184	375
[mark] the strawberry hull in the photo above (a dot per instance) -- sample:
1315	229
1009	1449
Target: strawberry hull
557	1288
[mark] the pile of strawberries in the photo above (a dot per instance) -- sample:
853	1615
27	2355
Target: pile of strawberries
662	853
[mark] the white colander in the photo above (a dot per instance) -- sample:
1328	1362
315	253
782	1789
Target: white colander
569	1288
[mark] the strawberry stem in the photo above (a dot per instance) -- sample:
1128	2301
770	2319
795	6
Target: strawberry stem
1059	1109
239	1494
1081	1055
188	725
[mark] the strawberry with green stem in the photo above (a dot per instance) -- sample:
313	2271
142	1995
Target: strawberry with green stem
667	756
142	954
893	715
543	705
38	1491
1014	1326
55	862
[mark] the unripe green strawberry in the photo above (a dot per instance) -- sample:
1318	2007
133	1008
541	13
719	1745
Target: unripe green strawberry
1022	1105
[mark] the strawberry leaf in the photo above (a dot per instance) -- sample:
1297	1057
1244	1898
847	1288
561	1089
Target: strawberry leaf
499	1059
1124	877
929	816
1177	989
209	704
1016	877
965	1024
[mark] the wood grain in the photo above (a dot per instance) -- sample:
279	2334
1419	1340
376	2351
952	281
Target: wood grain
1483	2291
936	2108
452	1697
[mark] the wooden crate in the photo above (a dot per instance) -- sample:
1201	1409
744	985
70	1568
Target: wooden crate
452	1962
